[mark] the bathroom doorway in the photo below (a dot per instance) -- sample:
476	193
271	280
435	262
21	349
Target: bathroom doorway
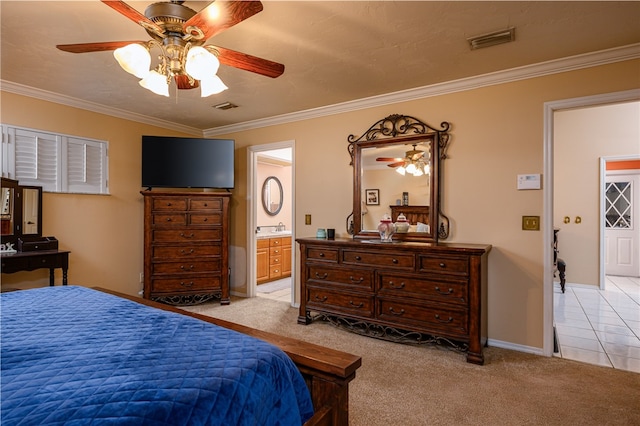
271	233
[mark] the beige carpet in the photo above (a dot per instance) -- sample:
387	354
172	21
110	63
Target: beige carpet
404	385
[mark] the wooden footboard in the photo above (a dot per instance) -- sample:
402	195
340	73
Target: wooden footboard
326	371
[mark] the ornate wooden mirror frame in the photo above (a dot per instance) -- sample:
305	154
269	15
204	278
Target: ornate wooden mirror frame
401	132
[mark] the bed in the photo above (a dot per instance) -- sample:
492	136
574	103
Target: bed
74	355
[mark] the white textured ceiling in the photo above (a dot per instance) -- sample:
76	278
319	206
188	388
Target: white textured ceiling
333	51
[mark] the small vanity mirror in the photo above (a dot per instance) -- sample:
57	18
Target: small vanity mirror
31	210
7	215
272	195
396	173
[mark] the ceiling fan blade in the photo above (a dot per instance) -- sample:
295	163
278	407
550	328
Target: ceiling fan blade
247	62
137	17
182	82
398	164
219	16
388	159
94	47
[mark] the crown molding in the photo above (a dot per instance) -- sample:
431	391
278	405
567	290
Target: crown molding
570	63
20	89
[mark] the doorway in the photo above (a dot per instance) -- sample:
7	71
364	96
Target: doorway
271	223
548	222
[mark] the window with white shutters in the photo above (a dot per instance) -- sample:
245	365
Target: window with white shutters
58	163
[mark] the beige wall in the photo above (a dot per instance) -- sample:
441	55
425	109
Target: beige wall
581	138
497	133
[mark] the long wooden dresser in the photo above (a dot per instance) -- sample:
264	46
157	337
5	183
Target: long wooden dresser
186	240
398	291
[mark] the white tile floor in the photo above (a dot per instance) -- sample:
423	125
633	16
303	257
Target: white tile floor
283	295
600	326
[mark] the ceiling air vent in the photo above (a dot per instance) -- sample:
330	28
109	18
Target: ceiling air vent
491	39
225	105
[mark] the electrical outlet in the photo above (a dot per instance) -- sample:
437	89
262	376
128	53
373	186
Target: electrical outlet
142	277
530	223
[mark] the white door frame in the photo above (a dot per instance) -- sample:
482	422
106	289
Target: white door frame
547	219
253	201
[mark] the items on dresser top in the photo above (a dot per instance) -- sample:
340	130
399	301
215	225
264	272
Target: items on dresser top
398	290
186	246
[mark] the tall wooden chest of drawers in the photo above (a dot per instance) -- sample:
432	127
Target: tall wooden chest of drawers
400	290
186	240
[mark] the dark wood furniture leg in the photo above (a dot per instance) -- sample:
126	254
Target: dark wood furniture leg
562	267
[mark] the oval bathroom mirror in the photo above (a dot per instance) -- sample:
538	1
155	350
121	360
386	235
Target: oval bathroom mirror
272	195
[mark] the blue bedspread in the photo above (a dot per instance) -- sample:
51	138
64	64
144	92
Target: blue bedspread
76	356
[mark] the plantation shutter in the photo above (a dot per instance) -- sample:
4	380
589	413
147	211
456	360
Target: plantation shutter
37	156
85	166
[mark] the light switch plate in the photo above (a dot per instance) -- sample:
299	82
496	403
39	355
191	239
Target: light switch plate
530	223
307	219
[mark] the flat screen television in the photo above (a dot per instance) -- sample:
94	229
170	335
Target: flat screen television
174	162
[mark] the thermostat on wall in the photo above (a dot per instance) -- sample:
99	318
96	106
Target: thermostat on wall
529	181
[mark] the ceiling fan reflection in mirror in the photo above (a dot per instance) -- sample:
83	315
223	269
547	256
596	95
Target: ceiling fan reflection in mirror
180	33
413	163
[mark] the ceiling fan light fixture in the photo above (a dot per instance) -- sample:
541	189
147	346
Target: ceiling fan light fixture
401	170
211	85
156	82
201	63
134	59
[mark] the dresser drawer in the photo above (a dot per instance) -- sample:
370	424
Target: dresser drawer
360	279
275	260
322	254
179	219
203	203
424	316
340	302
205	219
169	203
200	266
170	285
186	235
381	260
451	291
453	265
181	251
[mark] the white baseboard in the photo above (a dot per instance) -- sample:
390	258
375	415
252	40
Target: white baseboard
515	347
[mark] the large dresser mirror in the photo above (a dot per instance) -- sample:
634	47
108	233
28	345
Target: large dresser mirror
21	212
396	171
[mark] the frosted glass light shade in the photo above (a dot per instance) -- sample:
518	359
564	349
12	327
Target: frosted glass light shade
401	170
134	59
201	63
156	82
211	85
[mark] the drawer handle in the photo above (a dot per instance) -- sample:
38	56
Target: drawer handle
275	242
276	260
395	261
393	285
443	321
206	205
444	292
169	204
321	254
322	277
321	299
396	313
276	251
183	251
355	281
190	267
43	260
358	258
275	271
205	219
182	234
443	265
189	284
359	305
168	219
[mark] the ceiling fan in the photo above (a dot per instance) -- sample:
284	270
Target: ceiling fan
180	33
413	162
